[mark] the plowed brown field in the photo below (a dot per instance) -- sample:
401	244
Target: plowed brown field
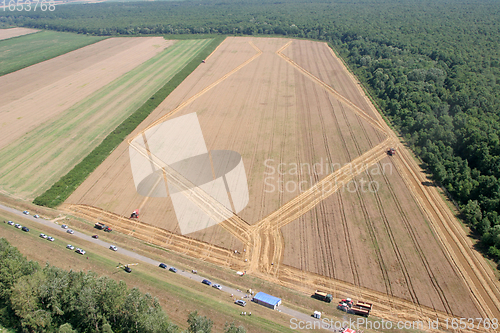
15	32
307	134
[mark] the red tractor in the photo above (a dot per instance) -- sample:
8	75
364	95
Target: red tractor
391	152
135	214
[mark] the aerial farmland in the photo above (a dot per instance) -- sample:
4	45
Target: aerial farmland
290	104
271	142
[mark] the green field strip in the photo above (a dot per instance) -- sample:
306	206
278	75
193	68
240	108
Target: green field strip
36	161
23	51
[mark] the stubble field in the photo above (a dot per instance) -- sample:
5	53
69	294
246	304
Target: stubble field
15	32
289	107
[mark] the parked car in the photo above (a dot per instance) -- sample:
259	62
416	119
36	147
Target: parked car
69	246
44	236
26	229
64	226
95	236
240	302
112	247
207	282
26	212
69	231
10	223
80	251
217	286
18	226
162	265
173	269
50	238
36	216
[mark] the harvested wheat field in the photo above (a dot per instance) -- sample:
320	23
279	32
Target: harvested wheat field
15	32
306	133
50	133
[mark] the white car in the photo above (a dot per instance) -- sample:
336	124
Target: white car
44	236
36	216
217	286
69	246
80	251
10	223
69	231
112	247
26	212
18	226
50	238
240	302
64	226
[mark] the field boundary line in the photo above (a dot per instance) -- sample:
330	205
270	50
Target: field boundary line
200	93
476	295
215	49
334	92
368	156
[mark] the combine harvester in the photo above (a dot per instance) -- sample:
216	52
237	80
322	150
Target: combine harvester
360	308
135	214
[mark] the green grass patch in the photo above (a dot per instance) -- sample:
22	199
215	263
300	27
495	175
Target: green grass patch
23	51
63	188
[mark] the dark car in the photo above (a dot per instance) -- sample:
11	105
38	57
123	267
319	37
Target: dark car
95	236
173	269
25	229
208	283
162	265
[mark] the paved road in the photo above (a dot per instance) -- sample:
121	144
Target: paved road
299	320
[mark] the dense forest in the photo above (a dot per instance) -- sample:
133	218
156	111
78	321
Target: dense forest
50	299
433	67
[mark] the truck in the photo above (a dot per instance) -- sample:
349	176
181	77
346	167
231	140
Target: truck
100	226
323	296
364	305
359	310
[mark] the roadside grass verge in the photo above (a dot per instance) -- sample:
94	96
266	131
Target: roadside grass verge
23	51
178	295
63	188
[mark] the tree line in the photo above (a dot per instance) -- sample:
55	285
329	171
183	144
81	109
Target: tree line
432	66
50	299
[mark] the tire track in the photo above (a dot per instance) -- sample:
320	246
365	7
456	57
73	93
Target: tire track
309	137
446	238
388	228
368	221
343	219
417	246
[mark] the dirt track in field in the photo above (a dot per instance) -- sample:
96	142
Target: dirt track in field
33	95
15	32
293	101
